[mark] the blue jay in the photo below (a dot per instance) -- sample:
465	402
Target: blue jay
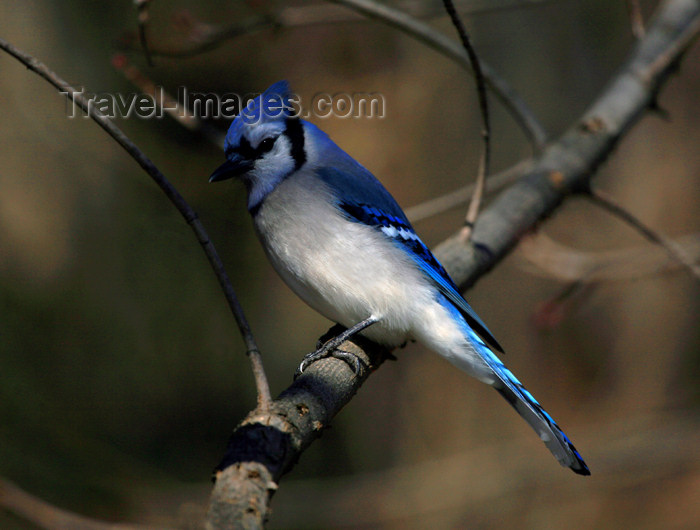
341	242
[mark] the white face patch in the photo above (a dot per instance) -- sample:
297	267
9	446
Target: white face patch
269	170
257	132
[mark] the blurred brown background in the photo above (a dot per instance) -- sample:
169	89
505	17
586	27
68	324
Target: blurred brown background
121	371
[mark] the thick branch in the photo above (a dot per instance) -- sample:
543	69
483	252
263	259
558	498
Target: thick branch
567	164
266	445
263	448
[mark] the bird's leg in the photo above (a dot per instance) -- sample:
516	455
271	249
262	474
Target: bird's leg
329	348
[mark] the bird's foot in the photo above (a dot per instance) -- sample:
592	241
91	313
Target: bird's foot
330	348
324	352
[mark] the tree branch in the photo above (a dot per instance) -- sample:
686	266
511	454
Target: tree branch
264	447
636	18
545	257
429	36
485	158
142	18
190	216
604	200
267	445
206	37
443	203
566	165
45	515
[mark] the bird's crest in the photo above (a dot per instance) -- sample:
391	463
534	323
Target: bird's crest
270	110
272	105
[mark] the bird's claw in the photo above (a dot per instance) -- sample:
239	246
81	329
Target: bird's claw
350	358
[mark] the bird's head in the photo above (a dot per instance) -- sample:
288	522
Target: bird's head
264	144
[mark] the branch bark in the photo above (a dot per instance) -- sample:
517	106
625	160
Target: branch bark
567	164
265	446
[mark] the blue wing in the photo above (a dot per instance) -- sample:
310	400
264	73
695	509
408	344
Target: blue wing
365	200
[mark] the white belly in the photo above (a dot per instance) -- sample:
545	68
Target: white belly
344	270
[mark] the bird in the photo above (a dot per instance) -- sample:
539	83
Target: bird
341	242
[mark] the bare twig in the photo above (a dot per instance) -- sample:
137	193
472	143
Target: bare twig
166	102
568	163
460	196
484	160
142	17
265	446
45	515
545	257
296	16
511	100
427	10
315	14
677	252
583	270
636	19
190	216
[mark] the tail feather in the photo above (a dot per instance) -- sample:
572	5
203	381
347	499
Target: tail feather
527	406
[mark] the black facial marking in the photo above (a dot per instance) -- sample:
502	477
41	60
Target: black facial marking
248	152
294	130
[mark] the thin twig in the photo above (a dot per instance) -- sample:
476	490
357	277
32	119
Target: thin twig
582	270
45	515
142	17
542	256
485	159
495	182
297	16
208	37
677	252
167	103
636	19
316	14
568	163
421	31
190	216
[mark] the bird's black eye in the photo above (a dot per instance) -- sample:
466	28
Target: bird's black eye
266	145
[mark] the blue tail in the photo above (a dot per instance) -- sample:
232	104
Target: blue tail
527	406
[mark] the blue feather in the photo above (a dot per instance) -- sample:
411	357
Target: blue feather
286	164
374	206
529	408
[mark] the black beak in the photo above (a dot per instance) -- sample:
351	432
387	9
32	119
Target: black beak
231	168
